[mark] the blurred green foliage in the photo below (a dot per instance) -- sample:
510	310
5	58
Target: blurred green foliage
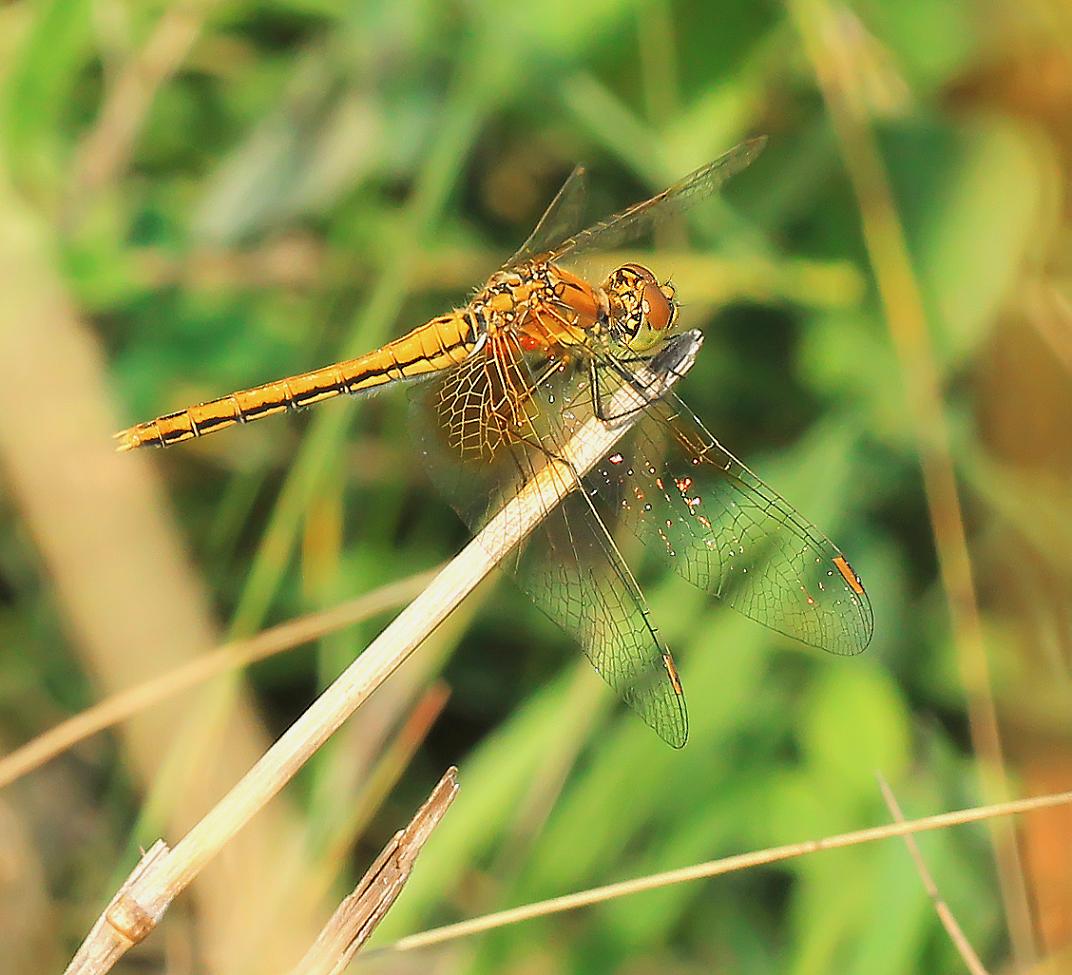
316	177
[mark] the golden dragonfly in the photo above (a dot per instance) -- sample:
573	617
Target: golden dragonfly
500	386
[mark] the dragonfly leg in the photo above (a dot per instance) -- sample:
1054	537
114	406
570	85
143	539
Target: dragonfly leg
600	409
672	360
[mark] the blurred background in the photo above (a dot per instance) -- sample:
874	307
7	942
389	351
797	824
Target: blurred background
197	197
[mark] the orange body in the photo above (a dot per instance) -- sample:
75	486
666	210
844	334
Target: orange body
438	344
542	305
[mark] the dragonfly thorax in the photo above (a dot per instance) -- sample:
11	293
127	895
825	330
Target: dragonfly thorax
541	305
547	307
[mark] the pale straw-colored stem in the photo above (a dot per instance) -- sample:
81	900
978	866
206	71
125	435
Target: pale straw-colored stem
137	912
821	24
358	915
102	949
715	868
233	655
945	915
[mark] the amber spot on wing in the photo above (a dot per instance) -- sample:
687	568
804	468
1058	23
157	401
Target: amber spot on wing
850	576
671	670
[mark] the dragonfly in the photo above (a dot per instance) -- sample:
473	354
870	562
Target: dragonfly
499	385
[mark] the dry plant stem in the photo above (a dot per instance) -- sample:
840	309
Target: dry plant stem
394	761
715	868
230	656
316	885
358	915
100	531
100	951
945	915
907	321
151	893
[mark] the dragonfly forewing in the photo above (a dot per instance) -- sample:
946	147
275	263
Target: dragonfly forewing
639	219
564	216
570	566
727	532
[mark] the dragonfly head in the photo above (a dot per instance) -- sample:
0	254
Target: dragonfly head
643	311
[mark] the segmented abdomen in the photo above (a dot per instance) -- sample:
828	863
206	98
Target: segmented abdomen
439	344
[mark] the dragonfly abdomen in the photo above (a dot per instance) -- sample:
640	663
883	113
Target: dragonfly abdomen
439	344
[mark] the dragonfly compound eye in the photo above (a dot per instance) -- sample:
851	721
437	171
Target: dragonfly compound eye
643	310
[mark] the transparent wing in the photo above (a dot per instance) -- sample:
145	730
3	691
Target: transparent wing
727	532
562	218
641	217
489	426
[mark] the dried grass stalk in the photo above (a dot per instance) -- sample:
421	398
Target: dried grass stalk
149	895
358	915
